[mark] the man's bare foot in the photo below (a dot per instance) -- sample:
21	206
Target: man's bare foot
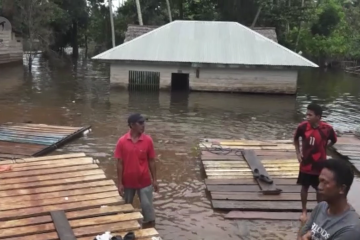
303	217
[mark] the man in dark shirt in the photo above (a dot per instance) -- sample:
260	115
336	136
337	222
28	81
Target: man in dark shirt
333	219
315	136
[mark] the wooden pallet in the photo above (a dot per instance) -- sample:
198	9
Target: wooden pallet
231	183
24	140
73	183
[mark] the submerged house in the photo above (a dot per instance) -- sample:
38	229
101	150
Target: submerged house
205	56
11	46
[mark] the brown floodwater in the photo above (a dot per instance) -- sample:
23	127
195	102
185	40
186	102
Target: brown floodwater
79	94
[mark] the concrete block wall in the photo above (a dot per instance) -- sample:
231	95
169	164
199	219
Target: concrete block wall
11	48
278	81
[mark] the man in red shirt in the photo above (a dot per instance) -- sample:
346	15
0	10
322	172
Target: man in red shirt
315	136
135	157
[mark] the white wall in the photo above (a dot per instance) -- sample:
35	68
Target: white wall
215	79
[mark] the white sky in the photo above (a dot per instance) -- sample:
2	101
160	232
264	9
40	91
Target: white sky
117	3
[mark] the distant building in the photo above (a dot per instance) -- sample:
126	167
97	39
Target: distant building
204	56
11	46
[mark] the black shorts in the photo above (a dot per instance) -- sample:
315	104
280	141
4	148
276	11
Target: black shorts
308	180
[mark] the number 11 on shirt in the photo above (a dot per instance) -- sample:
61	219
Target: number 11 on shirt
312	141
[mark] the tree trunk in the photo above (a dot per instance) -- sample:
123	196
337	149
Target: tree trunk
300	25
256	16
30	61
86	45
169	10
112	24
138	8
181	9
75	45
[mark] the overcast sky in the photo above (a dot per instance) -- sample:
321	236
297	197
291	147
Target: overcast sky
117	3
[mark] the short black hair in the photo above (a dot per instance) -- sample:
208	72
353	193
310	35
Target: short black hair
316	108
343	172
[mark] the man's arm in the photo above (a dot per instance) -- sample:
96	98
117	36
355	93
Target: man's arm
152	164
332	137
307	227
119	167
298	133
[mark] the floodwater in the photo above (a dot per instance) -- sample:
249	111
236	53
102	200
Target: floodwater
68	94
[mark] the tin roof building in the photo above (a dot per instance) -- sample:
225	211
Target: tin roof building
205	56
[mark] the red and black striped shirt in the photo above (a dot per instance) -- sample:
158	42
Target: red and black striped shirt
314	142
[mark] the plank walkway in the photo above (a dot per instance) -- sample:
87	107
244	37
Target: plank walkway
73	183
232	186
18	140
348	147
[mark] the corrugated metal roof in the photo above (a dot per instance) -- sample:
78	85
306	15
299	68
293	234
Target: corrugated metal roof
206	42
134	31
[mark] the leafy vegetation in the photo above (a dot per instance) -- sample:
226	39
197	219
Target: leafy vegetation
323	30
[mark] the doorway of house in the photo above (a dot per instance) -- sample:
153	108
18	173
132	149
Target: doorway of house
180	82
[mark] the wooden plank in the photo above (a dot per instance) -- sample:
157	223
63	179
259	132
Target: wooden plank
255	164
245	143
234	188
93	212
37	211
73	180
244	177
270	170
48	177
59	200
261	215
47	126
247	181
49	190
277	153
62	225
261	205
38	129
44	172
256	196
45	158
293	173
253	188
244	164
59	195
25	164
140	234
78	226
56	164
346	147
279	147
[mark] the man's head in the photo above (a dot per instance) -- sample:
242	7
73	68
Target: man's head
136	123
335	180
314	113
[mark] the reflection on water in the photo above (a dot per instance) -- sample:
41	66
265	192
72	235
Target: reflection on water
79	94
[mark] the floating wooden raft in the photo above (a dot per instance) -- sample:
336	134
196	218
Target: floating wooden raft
37	190
232	186
348	147
24	140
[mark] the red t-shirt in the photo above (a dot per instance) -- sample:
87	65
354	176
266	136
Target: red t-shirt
135	157
314	142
